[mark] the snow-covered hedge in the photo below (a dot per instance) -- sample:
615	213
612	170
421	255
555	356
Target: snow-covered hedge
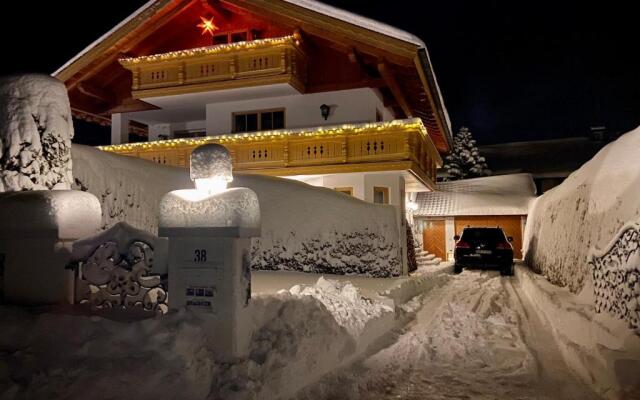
304	228
571	228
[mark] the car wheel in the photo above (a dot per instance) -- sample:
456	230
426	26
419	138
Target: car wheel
506	270
457	269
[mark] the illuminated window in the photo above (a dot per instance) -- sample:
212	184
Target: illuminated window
345	190
258	121
380	195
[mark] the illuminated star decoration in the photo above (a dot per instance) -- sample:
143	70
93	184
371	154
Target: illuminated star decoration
207	26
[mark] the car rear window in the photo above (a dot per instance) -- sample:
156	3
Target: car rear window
485	234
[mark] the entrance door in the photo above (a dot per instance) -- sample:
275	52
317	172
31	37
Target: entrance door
433	238
511	224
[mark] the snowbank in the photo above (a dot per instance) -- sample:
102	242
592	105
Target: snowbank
297	337
600	349
304	228
583	215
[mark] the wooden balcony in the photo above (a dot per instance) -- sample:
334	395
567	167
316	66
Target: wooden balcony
400	145
226	66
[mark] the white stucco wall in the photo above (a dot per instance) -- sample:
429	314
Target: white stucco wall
301	111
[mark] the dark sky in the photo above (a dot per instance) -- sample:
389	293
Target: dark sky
509	70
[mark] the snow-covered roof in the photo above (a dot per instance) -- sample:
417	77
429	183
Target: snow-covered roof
312	5
494	195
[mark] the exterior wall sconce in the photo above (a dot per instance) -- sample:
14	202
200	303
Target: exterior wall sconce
325	110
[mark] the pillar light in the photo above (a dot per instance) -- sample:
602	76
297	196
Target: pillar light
211	168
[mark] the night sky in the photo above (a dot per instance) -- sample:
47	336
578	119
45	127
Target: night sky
508	71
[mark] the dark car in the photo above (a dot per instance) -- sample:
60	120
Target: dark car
485	248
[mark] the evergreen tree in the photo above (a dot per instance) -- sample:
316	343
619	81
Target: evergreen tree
465	160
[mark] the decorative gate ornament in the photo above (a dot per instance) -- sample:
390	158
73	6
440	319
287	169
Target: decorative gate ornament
616	276
115	271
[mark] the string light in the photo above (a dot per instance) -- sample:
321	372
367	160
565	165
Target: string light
199	51
414	124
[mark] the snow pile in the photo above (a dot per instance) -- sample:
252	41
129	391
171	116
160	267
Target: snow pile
584	215
236	207
601	350
494	195
344	301
304	228
295	339
211	160
36	129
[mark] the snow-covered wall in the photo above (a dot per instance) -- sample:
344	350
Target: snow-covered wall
572	228
304	228
36	129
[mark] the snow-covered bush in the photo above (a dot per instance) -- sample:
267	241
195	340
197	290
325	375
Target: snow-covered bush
304	228
465	160
36	129
572	228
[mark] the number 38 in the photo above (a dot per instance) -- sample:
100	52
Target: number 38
200	256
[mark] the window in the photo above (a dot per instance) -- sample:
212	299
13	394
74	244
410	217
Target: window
378	116
258	121
235	36
345	190
380	195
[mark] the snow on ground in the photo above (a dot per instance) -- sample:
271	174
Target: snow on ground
297	336
601	349
474	337
304	228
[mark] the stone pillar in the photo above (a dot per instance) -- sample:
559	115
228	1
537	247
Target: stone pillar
37	230
209	230
119	128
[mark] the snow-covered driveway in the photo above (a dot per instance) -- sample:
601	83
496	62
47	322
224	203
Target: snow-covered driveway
476	337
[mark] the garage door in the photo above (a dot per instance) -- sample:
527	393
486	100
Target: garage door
433	238
509	223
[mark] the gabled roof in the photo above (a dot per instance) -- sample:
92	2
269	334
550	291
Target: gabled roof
393	44
494	195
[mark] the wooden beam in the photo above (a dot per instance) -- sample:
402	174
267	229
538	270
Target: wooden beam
356	58
329	87
394	87
107	51
90	90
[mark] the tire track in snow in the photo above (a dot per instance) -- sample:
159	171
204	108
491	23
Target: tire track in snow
473	338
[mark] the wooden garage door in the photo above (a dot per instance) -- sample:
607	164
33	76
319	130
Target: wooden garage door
509	223
433	238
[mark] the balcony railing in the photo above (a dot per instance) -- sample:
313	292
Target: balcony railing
382	146
257	62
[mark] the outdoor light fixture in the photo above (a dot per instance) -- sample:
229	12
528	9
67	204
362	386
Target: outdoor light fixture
211	168
412	206
324	110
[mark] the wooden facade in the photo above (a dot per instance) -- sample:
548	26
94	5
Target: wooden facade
159	51
226	66
400	145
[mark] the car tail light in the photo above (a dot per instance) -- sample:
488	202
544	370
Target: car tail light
503	246
463	245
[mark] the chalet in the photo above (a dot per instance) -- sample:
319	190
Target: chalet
293	88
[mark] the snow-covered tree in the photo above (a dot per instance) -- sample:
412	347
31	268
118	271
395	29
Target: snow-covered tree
465	160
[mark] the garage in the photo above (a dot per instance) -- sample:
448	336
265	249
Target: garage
497	201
